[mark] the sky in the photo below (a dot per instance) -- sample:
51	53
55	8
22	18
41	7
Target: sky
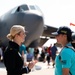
56	12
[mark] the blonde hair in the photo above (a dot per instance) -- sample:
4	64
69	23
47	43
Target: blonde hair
15	29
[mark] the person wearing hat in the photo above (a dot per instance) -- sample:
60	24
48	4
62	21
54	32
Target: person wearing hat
73	38
12	58
65	61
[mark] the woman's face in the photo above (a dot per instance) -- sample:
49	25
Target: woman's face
22	36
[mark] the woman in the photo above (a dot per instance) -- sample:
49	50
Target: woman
12	58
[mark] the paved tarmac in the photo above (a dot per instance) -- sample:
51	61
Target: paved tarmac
39	69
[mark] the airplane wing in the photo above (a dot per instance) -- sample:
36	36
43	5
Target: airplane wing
47	34
48	30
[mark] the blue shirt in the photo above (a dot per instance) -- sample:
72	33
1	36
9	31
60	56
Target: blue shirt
23	48
67	60
53	50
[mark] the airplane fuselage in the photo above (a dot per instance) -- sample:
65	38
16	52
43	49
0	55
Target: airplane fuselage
33	23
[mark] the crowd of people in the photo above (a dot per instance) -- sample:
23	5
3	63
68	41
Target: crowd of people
49	54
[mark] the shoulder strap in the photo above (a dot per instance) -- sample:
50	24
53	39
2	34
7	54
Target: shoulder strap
71	47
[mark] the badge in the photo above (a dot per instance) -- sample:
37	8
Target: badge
63	62
19	54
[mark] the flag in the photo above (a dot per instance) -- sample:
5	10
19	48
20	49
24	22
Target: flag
72	24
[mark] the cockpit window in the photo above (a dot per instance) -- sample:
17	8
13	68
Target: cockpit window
24	7
35	7
38	8
32	7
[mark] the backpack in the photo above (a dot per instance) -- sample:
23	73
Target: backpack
72	48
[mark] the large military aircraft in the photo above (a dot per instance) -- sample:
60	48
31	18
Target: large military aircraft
29	16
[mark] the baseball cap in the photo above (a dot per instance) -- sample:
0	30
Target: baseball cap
62	30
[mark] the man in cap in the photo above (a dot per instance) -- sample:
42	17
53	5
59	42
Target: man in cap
73	38
65	61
